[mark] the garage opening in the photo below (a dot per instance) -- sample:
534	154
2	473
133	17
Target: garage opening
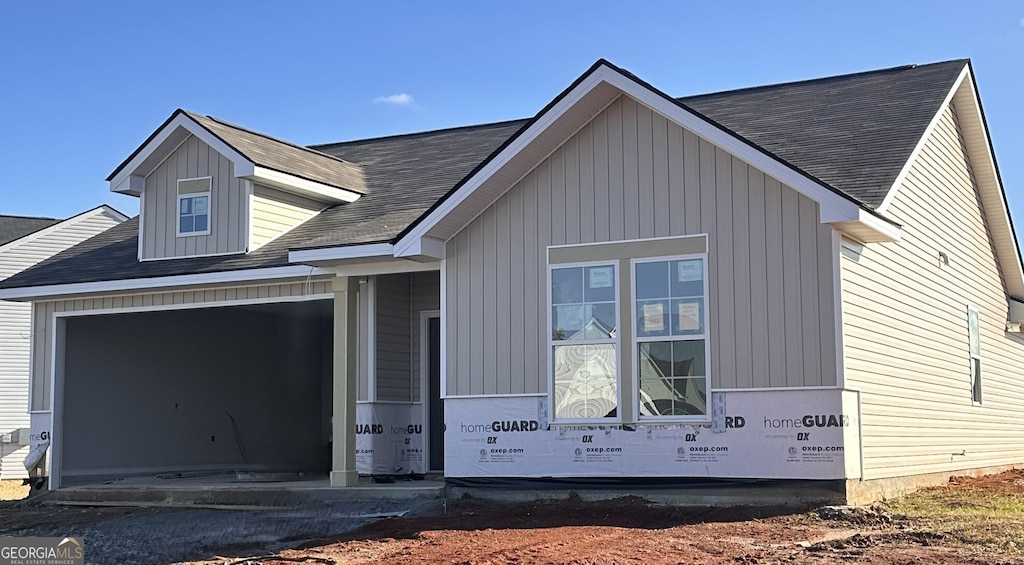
226	389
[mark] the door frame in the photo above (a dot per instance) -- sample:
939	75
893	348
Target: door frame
425	400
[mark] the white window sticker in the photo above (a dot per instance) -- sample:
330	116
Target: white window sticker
689	316
688	271
601	277
654	317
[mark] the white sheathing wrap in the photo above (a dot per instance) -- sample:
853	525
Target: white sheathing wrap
784	434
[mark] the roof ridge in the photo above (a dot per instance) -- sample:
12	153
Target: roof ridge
823	79
270	137
418	133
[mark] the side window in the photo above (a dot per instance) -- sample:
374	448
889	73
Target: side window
973	328
584	347
670	343
194	206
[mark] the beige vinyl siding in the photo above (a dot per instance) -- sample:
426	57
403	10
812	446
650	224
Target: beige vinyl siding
275	212
228	204
393	327
43	317
16	325
629	174
906	334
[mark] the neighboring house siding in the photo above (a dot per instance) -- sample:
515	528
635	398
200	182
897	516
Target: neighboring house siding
43	316
16	327
632	174
275	212
228	205
906	332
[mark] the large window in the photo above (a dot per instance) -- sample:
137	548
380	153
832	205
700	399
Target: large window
670	341
194	206
628	338
584	348
973	329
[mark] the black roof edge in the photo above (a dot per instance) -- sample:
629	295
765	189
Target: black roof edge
416	133
757	147
500	148
995	165
645	84
335	245
145	143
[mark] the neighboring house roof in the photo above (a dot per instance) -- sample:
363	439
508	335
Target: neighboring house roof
852	133
17	227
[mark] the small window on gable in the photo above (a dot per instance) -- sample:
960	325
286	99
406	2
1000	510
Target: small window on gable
194	206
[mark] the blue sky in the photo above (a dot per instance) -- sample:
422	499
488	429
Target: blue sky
84	83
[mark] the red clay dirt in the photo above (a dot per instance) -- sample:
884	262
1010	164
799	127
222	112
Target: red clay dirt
629	530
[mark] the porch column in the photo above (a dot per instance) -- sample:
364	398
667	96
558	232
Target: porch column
346	351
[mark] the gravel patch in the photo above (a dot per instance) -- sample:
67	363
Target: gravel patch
173	535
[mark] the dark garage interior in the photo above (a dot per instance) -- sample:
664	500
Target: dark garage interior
240	388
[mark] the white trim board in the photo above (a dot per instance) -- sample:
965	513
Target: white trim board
154	283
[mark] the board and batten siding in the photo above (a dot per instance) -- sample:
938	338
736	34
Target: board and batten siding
16	324
400	299
275	212
630	174
393	336
43	317
228	205
905	327
426	296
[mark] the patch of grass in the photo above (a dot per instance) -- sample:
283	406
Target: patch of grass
990	518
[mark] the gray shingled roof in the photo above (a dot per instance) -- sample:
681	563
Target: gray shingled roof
852	132
286	157
17	227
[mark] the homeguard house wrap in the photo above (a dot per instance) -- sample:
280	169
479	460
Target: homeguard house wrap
813	280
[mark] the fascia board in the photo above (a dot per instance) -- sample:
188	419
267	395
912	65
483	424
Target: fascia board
327	254
295	185
833	206
154	283
891	194
500	160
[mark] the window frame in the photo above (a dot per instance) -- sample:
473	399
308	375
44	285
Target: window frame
974	358
636	339
552	343
209	207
